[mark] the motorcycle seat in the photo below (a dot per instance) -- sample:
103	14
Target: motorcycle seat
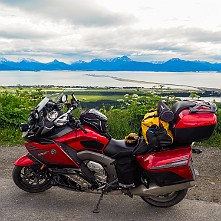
118	148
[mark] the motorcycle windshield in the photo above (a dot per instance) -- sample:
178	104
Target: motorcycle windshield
42	104
54	97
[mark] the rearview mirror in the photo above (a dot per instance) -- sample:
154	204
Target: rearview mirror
63	98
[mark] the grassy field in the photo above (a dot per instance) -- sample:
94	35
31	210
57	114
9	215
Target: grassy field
99	96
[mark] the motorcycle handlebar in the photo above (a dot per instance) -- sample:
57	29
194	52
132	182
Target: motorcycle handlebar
78	124
82	128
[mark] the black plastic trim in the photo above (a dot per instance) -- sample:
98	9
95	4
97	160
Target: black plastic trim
59	131
32	158
166	178
92	144
44	141
70	152
189	135
35	152
73	155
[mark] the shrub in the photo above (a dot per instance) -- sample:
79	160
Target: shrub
14	109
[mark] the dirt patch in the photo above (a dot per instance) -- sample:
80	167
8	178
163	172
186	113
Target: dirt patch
208	164
7	156
208	183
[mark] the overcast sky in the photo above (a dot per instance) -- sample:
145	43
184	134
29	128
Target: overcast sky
144	30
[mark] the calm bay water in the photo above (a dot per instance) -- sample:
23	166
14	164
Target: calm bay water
114	79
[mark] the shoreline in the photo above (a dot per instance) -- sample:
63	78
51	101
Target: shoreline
175	80
179	92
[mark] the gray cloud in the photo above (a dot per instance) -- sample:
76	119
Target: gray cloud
191	34
174	42
21	33
80	12
201	35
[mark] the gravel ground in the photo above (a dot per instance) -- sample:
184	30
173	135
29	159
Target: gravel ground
208	183
208	164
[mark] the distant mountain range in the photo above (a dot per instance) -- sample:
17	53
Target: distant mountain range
116	64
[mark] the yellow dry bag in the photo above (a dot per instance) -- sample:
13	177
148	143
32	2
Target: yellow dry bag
155	131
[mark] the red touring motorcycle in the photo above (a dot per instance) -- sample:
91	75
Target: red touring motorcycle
80	155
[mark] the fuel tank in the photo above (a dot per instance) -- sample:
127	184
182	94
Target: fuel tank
79	141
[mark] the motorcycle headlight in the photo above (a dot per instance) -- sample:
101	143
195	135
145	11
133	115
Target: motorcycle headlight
62	120
51	116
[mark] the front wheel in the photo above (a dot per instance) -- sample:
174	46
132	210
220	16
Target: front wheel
166	200
32	181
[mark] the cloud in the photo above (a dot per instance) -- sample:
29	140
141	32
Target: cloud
202	35
85	29
106	43
80	12
22	33
180	42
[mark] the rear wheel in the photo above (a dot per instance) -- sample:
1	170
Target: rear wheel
166	200
30	180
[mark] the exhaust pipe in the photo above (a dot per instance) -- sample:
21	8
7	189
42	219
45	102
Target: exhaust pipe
155	190
113	192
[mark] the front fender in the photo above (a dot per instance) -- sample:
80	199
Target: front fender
24	161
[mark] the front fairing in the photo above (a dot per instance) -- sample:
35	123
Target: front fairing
50	153
42	117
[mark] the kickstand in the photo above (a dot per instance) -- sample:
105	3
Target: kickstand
104	189
96	210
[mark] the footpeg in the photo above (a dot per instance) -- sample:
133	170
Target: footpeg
127	186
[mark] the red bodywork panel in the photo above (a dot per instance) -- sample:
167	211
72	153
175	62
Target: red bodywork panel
50	154
199	119
175	160
74	139
24	161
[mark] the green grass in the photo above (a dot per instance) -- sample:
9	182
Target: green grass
118	124
11	136
89	98
214	141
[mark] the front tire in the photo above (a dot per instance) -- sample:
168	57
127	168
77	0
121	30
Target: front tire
166	200
32	181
